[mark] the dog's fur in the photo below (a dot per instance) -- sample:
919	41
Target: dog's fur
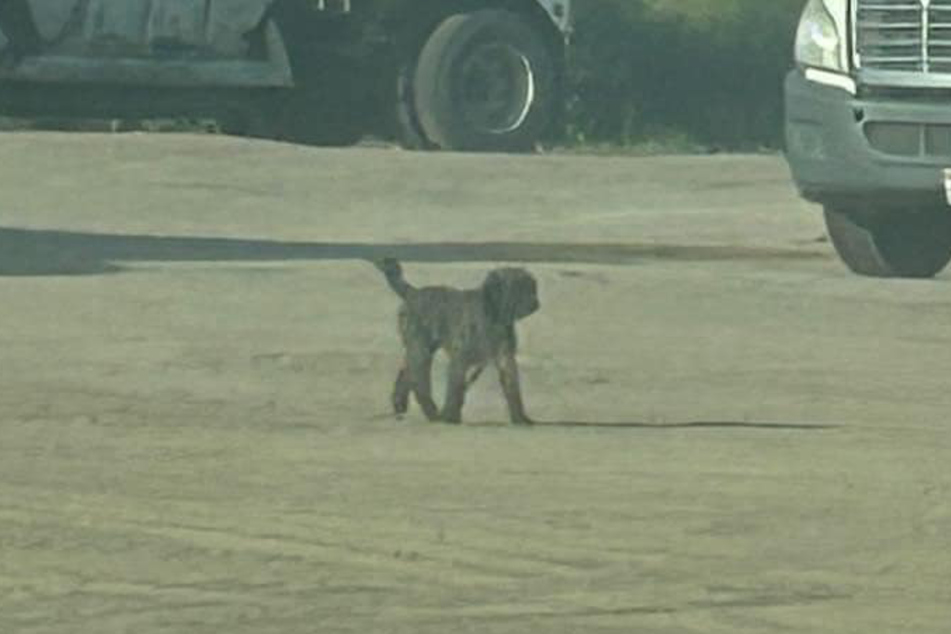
472	326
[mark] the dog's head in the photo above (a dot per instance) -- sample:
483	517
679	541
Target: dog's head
510	294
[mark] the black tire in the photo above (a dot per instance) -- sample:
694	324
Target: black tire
897	244
409	133
485	81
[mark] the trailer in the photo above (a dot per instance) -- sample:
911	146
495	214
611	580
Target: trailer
466	75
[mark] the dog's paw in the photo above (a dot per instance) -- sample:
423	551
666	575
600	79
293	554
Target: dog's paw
451	418
522	420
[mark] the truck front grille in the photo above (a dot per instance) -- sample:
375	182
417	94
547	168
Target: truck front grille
909	139
903	35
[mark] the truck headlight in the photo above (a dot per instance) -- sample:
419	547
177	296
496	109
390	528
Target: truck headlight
818	39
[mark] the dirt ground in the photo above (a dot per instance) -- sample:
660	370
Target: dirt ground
737	435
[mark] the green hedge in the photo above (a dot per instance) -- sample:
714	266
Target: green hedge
699	72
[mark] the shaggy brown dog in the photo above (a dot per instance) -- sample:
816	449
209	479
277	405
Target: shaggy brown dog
472	326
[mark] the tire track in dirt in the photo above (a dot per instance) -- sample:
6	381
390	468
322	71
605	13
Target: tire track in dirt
487	551
420	566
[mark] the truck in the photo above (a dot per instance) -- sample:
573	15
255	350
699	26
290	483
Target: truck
464	75
868	130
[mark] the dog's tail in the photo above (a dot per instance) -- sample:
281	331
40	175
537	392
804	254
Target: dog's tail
394	276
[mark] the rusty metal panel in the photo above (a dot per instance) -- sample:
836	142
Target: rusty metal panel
199	43
142	28
178	22
52	16
230	20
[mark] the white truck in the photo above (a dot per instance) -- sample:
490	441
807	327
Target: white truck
469	75
868	130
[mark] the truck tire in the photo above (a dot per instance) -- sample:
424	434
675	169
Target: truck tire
485	81
408	131
898	244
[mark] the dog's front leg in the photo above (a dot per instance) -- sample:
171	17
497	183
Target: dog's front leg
508	376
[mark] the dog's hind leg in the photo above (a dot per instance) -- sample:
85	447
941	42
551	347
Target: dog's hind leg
401	391
419	368
416	374
456	384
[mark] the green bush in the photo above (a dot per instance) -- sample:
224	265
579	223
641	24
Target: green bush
709	71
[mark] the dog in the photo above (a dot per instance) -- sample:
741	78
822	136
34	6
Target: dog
473	327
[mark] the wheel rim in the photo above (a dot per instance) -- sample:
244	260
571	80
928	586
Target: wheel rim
495	90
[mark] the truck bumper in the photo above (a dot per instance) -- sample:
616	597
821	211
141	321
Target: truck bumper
853	151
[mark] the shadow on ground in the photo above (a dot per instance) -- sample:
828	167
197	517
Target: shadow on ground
711	425
48	252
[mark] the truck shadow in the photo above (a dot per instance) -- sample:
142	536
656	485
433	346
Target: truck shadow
37	252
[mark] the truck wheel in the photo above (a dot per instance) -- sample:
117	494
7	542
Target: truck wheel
485	81
408	131
898	244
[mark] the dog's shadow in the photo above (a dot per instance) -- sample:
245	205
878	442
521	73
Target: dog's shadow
650	426
700	425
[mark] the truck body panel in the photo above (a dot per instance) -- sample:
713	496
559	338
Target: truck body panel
841	153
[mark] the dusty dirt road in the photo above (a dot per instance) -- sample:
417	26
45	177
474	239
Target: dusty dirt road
738	437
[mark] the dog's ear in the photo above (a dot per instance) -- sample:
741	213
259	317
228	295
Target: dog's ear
498	303
510	295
